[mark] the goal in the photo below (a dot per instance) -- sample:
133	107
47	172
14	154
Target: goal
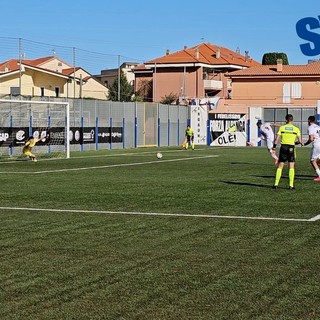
20	119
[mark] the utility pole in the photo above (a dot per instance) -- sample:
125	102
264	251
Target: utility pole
20	70
119	74
74	72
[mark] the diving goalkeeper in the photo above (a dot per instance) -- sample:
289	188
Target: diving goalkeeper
27	149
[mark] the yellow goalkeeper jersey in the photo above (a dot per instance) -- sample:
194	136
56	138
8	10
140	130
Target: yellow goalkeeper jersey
32	142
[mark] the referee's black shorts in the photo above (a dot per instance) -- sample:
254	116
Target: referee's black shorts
287	153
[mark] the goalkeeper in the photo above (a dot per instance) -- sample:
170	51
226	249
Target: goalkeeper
189	138
27	149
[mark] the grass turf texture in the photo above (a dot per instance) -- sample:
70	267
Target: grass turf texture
99	265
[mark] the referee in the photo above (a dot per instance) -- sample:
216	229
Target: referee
290	136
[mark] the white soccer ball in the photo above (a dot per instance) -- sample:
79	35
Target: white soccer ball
159	155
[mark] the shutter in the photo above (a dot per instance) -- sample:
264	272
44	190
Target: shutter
296	90
286	93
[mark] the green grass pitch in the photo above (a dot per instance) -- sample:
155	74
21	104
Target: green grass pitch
120	234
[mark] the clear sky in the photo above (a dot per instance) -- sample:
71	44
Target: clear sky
142	30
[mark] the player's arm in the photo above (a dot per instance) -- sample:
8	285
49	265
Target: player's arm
310	139
276	140
299	141
275	125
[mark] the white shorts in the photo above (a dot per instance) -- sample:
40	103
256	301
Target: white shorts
315	152
269	143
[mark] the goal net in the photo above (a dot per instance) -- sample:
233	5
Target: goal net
45	120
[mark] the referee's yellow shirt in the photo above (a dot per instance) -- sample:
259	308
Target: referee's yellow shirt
288	133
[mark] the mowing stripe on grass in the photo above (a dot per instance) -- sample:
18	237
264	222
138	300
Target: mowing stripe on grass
110	166
159	214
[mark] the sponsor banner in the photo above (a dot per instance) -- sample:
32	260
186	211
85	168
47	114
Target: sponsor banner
104	134
41	133
89	135
56	135
108	135
15	137
20	136
5	137
227	129
116	134
76	135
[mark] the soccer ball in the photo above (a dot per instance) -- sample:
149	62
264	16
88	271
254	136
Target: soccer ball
159	155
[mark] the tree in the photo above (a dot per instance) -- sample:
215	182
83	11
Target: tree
272	57
169	99
145	90
126	90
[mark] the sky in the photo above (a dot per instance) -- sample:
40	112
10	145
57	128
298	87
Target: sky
141	30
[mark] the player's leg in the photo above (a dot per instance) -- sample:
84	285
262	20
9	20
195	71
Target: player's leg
27	152
314	157
282	159
272	152
291	175
278	173
274	156
188	142
291	160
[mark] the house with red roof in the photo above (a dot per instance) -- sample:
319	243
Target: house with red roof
190	74
273	86
48	77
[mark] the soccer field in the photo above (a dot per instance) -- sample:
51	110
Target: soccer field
120	234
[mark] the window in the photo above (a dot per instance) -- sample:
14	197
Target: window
42	92
14	91
57	92
291	90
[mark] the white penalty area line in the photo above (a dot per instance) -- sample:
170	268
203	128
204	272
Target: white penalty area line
158	161
161	214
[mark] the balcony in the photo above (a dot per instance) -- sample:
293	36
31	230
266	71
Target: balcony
212	84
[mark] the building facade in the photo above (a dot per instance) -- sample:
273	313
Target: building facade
190	75
48	77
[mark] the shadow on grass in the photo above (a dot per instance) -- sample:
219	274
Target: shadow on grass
296	177
251	163
247	184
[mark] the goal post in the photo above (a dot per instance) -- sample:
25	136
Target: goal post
20	119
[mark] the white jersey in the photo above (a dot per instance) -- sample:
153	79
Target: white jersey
267	131
268	135
314	130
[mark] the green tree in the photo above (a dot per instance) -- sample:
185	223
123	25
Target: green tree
126	90
169	99
271	58
145	90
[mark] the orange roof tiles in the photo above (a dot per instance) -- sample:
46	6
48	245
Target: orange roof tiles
10	65
271	70
13	65
206	53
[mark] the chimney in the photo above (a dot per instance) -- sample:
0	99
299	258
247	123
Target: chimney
246	56
196	51
279	65
218	53
167	52
185	48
